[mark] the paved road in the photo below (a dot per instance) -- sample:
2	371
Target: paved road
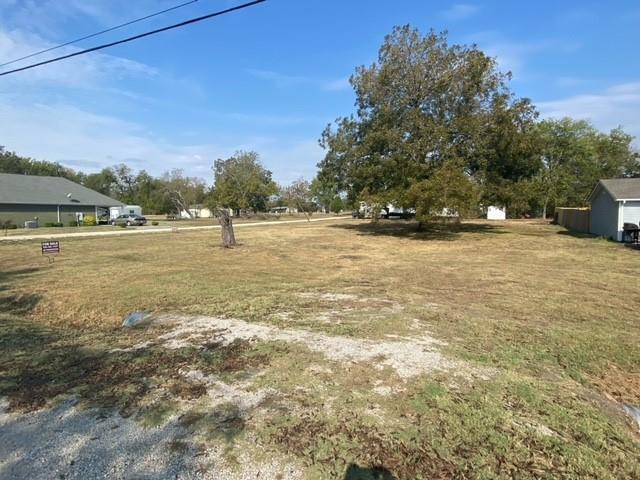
122	231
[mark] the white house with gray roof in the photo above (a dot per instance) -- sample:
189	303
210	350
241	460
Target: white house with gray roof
50	199
614	202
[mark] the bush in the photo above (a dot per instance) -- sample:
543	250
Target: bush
122	225
53	224
155	223
73	223
89	221
7	225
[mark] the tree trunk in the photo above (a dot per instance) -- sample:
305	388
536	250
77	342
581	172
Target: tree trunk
544	210
226	227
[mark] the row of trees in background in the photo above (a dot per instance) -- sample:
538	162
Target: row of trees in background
436	126
167	193
241	183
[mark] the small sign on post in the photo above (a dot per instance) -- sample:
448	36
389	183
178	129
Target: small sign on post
50	247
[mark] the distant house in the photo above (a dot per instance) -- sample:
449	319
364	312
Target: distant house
49	199
614	202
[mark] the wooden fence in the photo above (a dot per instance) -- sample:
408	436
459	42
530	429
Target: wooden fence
574	219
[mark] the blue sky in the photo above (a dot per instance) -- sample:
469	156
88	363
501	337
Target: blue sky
271	77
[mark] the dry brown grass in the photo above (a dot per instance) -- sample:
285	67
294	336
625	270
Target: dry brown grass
555	314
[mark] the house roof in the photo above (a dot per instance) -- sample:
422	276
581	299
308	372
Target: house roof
42	190
620	188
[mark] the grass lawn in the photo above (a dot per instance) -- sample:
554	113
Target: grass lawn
536	332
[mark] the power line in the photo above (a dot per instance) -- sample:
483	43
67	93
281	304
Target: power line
136	37
71	42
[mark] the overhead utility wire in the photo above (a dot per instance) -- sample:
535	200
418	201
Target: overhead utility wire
135	37
71	42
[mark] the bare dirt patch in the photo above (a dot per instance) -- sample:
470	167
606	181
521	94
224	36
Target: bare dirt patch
622	386
408	356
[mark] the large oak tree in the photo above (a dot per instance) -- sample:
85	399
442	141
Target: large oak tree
423	103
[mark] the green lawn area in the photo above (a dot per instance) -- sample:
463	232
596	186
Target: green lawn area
533	334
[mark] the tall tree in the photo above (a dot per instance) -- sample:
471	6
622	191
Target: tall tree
573	157
449	190
102	181
182	191
11	162
124	185
424	102
326	195
242	183
298	196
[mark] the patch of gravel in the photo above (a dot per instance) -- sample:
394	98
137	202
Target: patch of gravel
65	442
386	305
332	297
408	356
220	392
536	427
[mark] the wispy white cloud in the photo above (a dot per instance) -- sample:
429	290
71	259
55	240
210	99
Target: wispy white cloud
512	55
49	113
570	81
337	85
83	71
615	106
582	16
272	119
461	11
89	141
281	80
51	17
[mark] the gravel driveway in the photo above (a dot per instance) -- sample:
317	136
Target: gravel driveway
67	443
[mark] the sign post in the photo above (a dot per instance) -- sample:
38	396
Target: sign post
51	247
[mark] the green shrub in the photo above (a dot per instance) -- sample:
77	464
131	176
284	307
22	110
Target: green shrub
122	225
89	221
73	223
7	225
54	224
155	223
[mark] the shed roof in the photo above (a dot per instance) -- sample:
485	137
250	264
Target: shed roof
42	190
620	188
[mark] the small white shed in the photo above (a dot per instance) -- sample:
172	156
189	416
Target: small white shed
614	202
496	213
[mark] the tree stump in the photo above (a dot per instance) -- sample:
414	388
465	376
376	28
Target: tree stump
226	227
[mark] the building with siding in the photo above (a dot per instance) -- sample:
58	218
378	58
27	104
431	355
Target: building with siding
49	199
614	202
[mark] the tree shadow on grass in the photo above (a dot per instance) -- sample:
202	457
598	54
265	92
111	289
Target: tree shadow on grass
409	229
8	276
356	472
39	363
41	366
574	234
16	303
